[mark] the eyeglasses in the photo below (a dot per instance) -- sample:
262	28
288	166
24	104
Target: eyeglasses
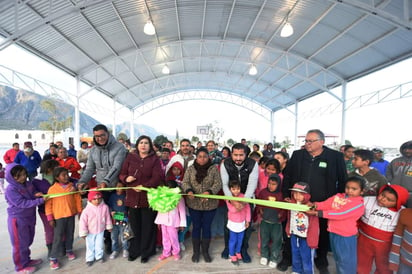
100	136
96	199
311	141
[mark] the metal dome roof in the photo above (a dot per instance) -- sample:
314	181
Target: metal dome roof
211	44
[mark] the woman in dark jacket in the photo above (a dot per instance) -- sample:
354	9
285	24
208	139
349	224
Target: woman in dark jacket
202	177
141	168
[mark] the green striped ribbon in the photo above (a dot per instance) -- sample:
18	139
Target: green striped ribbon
276	204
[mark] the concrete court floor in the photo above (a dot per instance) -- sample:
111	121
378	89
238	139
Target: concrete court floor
121	265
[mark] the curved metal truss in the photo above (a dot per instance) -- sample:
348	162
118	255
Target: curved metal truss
213	95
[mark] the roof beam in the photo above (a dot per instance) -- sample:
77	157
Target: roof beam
247	35
133	51
356	51
48	20
378	12
179	34
225	32
202	32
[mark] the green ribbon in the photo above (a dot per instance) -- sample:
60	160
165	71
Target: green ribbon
163	199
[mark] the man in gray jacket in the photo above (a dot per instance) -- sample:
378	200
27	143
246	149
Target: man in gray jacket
399	171
105	159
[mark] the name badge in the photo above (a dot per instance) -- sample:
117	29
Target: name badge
323	164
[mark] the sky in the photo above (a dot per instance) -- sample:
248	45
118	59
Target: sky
383	124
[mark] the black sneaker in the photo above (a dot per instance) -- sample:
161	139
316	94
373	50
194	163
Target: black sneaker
245	256
283	265
225	254
89	263
323	270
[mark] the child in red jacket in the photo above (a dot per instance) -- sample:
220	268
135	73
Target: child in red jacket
376	228
303	231
343	211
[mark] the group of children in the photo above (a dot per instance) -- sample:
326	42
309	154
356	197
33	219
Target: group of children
360	228
57	211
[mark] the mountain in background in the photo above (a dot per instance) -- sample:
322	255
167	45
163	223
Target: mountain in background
21	110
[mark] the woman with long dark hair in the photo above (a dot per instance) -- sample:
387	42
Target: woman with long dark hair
202	177
141	168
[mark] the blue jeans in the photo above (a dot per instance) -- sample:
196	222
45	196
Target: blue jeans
94	247
302	255
344	252
116	232
235	242
202	221
218	224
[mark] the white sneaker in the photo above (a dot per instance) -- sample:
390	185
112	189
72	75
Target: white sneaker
113	255
125	253
182	246
263	261
272	264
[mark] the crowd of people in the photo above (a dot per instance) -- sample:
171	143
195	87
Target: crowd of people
359	205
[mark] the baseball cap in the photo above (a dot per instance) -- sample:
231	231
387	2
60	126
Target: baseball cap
377	150
300	187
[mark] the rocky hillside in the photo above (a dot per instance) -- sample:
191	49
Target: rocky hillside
20	109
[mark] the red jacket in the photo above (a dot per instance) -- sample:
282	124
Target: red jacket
71	165
312	237
10	155
147	172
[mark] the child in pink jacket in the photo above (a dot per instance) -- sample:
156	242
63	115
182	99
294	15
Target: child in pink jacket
170	222
95	219
238	215
343	211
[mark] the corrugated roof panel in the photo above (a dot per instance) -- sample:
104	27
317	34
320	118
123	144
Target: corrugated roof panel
397	44
217	16
329	43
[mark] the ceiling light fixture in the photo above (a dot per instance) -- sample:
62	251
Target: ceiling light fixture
253	70
149	29
165	69
287	30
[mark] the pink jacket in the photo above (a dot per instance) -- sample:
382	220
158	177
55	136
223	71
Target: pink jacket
238	216
95	219
175	218
342	213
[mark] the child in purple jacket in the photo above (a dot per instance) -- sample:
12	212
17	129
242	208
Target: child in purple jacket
22	202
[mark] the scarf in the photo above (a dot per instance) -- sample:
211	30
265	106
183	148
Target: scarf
201	171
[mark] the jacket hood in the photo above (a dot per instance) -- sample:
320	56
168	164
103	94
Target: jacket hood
406	145
170	175
8	175
401	192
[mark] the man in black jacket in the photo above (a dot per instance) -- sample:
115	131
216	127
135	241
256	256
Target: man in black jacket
325	171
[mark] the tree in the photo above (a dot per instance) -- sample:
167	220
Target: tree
55	122
195	139
286	143
230	142
160	140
